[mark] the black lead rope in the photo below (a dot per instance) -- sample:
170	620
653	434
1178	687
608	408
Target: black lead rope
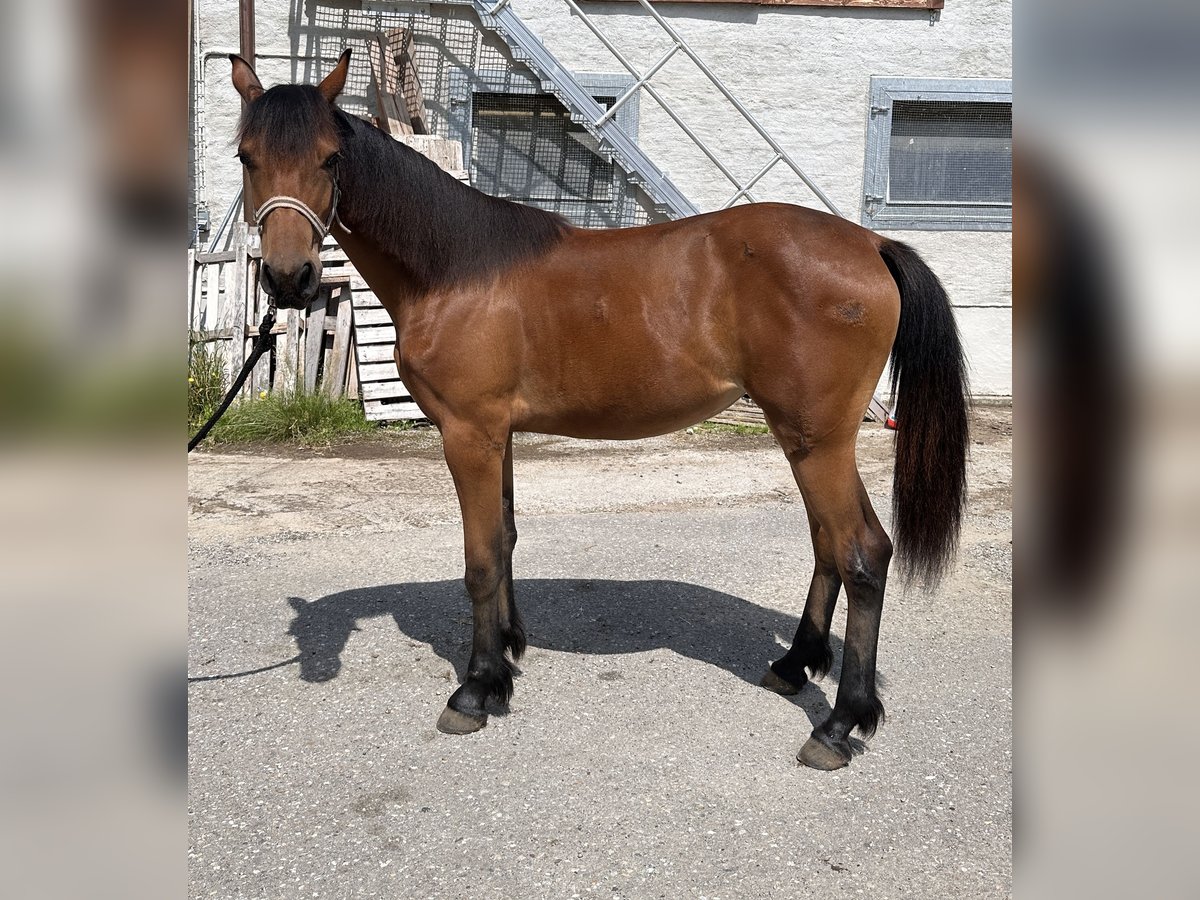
261	345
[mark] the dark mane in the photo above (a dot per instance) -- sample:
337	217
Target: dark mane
287	119
442	231
439	230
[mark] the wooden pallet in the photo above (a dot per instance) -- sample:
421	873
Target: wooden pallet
384	396
743	411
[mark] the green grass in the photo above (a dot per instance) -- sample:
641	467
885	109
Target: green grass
206	385
291	418
281	417
722	428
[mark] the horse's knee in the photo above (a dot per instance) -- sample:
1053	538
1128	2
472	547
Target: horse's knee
482	581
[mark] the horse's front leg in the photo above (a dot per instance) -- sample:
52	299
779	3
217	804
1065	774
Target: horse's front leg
475	456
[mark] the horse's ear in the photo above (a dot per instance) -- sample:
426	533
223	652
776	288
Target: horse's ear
245	80
336	80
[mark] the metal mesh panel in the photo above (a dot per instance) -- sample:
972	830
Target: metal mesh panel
950	152
524	145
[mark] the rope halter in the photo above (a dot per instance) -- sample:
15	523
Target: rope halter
282	201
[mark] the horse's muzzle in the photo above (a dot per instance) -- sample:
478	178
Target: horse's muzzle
291	289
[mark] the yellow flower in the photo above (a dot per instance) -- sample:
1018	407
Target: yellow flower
191	380
262	395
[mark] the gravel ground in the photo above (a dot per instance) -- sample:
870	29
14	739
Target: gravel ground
638	757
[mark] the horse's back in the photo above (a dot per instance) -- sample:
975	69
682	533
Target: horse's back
626	333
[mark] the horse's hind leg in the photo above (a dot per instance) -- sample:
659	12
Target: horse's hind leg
810	647
475	457
861	550
512	630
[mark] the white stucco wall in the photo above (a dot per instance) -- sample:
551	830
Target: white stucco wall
803	71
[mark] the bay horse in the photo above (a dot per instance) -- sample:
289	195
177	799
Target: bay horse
510	319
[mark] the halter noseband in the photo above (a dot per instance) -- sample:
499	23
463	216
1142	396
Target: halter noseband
282	201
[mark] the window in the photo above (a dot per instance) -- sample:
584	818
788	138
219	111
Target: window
939	155
520	143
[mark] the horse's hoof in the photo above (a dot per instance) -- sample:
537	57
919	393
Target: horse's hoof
773	682
451	721
818	755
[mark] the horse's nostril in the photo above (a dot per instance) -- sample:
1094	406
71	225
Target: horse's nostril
308	280
268	280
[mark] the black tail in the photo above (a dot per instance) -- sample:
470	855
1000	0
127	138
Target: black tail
929	388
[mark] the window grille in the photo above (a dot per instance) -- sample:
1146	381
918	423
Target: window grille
939	155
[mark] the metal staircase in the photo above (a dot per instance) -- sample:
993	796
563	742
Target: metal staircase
527	48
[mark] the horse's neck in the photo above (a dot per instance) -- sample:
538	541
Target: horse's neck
399	232
386	280
434	230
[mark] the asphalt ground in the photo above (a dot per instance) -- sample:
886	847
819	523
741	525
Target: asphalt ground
638	757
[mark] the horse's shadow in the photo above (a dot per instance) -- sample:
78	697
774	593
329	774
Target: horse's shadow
576	616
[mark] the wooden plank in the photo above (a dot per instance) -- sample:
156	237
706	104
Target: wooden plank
378	372
740	412
371	316
339	355
289	362
191	290
393	116
221	256
400	42
352	372
374	353
260	380
207	278
391	81
231	317
379	411
314	338
236	300
382	334
211	335
358	283
365	300
210	300
381	390
447	154
877	411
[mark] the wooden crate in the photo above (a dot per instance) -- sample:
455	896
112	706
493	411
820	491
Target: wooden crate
384	396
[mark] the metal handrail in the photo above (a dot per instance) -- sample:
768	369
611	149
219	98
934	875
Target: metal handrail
643	83
499	16
737	104
562	83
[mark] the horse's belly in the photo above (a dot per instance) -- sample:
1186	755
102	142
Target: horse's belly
627	416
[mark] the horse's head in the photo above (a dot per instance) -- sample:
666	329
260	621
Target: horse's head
289	143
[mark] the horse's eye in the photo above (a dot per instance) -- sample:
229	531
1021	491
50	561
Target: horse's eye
245	160
332	161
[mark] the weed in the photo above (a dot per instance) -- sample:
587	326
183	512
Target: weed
292	418
289	416
206	382
722	428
